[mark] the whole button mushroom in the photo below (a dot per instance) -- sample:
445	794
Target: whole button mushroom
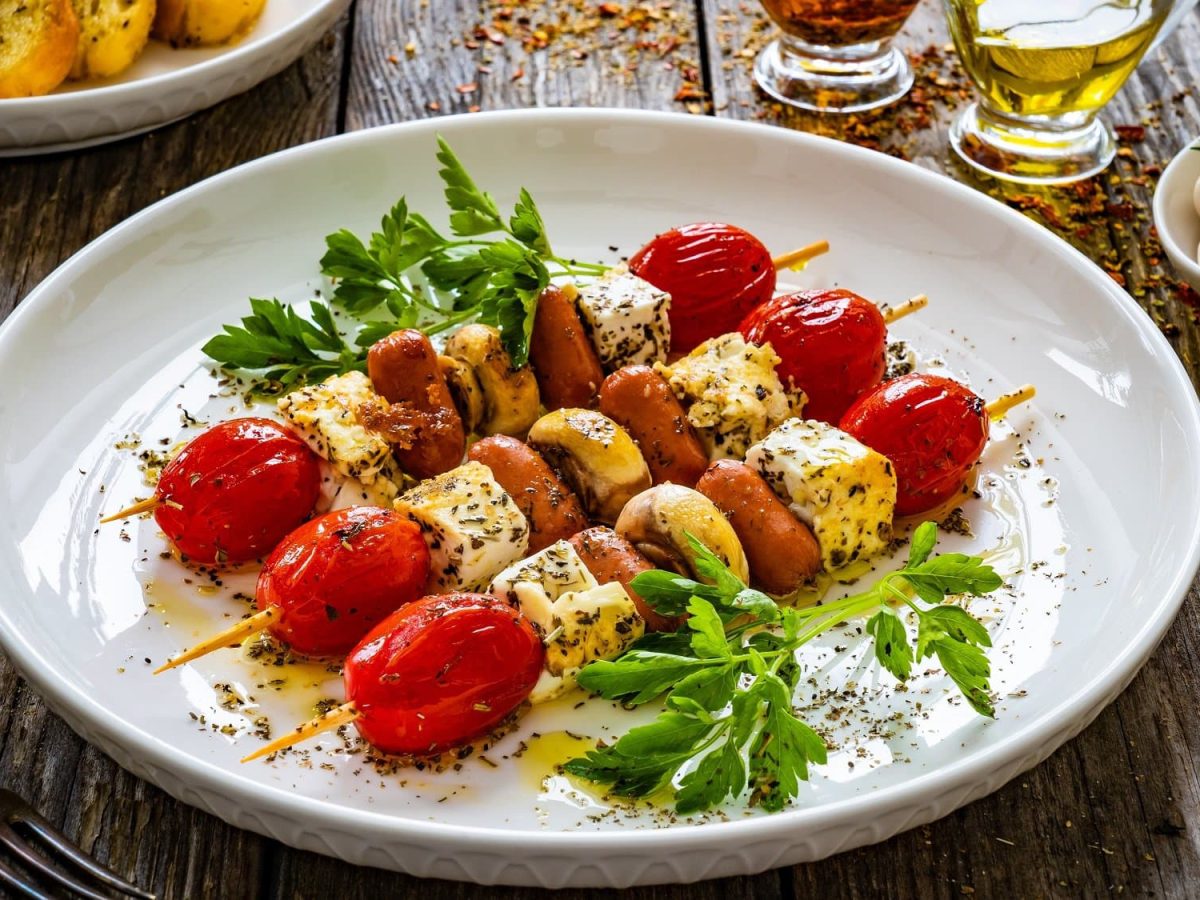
657	522
510	395
595	456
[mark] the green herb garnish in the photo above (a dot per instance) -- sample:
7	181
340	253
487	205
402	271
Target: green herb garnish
729	680
407	274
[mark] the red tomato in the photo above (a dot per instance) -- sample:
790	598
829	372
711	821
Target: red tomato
715	274
441	671
931	428
832	344
335	578
231	494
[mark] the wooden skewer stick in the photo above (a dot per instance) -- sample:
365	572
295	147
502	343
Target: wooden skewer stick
335	718
142	506
230	637
1002	404
900	310
797	258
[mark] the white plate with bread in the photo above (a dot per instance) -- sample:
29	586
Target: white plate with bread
74	73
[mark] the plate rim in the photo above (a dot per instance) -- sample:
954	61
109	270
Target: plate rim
1080	706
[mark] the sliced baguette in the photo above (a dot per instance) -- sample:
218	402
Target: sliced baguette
112	34
38	39
195	23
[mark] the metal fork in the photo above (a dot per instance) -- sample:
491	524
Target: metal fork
16	813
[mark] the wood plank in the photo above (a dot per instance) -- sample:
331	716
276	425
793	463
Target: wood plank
466	55
53	206
1109	812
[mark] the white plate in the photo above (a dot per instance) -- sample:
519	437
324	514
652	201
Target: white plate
164	84
107	345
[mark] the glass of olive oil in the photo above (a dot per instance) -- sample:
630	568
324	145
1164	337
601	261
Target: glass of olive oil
1044	68
833	55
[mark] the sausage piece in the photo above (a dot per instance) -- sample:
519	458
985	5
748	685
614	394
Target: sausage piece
562	356
640	399
552	509
421	423
609	557
781	551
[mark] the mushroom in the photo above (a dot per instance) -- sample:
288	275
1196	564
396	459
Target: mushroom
464	391
655	522
510	395
595	455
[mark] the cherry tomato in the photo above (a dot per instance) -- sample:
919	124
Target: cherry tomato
715	274
335	578
931	428
832	343
441	671
231	494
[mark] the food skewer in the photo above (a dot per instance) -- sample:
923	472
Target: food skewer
329	582
142	506
436	673
799	257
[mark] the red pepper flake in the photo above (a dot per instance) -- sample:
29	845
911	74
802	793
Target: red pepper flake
609	10
394	59
690	92
469	88
1123	211
473	109
1117	277
1130	134
433	106
518	74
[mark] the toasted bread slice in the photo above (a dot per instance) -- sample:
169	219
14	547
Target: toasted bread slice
194	23
37	45
112	34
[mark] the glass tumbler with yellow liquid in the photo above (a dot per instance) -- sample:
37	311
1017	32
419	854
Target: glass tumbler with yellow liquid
833	55
1044	68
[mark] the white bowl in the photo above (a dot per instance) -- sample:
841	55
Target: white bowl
1175	213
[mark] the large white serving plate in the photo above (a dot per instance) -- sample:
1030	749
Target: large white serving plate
164	84
1094	521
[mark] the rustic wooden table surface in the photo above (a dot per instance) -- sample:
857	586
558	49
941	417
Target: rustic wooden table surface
1116	811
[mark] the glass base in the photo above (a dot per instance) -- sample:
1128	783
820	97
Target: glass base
829	79
1024	153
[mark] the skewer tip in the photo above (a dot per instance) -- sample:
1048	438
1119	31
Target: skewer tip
907	307
142	506
335	718
230	637
798	259
1000	407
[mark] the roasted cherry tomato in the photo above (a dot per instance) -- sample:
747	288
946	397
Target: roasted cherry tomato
335	578
441	671
715	274
933	430
232	494
832	343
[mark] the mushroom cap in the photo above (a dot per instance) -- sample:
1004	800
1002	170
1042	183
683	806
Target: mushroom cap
510	395
595	455
464	389
658	520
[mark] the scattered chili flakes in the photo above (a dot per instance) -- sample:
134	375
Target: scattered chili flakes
469	88
1130	134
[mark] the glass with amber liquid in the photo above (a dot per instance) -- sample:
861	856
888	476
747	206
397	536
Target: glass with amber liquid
1044	68
833	55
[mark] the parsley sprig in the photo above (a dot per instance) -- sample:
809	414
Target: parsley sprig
729	679
408	274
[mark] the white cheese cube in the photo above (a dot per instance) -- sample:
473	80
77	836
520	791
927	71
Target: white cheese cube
844	490
534	583
626	318
326	416
732	393
599	623
471	525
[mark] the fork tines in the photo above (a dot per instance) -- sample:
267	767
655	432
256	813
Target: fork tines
16	817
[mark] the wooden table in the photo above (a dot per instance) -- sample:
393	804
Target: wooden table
1115	811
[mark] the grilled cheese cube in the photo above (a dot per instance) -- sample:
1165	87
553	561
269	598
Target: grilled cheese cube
599	623
626	318
534	583
844	490
326	416
731	392
471	525
579	619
